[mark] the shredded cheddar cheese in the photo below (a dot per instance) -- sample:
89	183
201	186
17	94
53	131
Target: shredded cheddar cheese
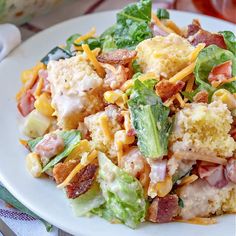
198	221
105	128
91	157
39	88
183	73
127	121
180	99
196	51
160	25
170	24
100	70
86	36
188	179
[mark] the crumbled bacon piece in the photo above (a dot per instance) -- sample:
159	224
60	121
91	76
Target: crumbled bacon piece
131	132
119	56
51	145
201	96
62	170
221	73
193	28
82	182
203	36
26	103
163	209
230	170
166	89
233	132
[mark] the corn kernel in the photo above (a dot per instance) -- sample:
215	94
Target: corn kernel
33	164
43	105
226	97
163	188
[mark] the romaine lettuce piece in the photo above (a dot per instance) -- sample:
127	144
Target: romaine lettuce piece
208	58
150	119
71	139
122	192
230	41
163	14
88	201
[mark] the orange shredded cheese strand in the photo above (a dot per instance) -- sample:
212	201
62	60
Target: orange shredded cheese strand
188	155
188	179
100	70
78	48
170	24
91	157
39	88
189	86
183	73
86	36
170	101
198	221
119	147
160	25
180	99
215	84
105	129
196	51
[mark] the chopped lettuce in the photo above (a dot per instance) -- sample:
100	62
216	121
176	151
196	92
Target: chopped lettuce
88	201
132	27
71	139
208	58
230	41
123	193
92	43
70	41
163	14
150	120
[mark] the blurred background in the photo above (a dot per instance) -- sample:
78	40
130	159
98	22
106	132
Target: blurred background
35	15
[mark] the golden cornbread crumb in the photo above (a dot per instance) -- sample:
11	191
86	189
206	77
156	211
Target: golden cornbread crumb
164	56
203	128
99	140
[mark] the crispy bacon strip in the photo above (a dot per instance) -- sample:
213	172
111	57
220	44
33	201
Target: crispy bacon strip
119	56
82	182
163	209
221	73
166	89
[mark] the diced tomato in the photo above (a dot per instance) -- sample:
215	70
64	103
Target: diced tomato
26	103
221	72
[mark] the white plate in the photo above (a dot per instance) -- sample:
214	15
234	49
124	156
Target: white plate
42	196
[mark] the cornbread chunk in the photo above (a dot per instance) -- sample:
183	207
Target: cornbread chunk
164	56
75	90
100	140
203	128
202	200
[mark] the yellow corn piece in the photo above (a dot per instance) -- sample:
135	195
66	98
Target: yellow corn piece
91	157
86	36
171	25
160	25
99	69
163	188
83	146
33	164
116	97
195	52
183	73
104	123
226	97
43	104
188	179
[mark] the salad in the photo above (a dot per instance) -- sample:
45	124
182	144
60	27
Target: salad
139	123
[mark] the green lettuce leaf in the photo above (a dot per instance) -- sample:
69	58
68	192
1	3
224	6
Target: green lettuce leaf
208	58
150	119
92	43
70	41
6	196
230	40
88	201
123	193
71	139
163	14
